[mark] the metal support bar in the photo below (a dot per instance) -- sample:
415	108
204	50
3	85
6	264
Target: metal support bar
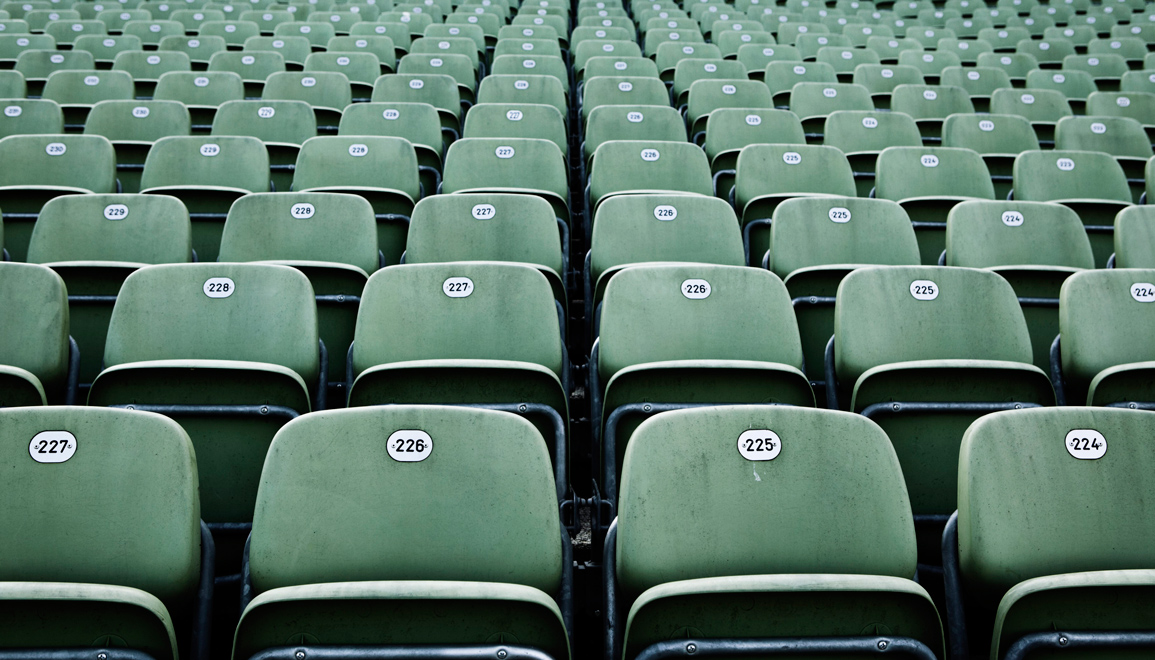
1039	302
199	649
957	643
831	379
406	652
213	410
1133	405
1057	372
338	298
748	228
1052	640
88	653
718	175
945	407
90	300
73	372
757	648
612	625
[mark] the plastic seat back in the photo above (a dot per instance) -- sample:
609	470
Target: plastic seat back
30	116
625	166
34	349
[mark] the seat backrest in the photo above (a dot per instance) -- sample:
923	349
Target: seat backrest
708	95
535	120
930	101
250	65
730	129
621	66
1036	105
294	49
1105	318
222	311
781	75
359	67
40	63
985	234
905	172
828	231
460	310
814	99
856	131
767	169
380	46
883	78
655	228
1136	105
150	65
284	122
959	313
326	89
1135	237
34	326
416	122
200	88
21	116
510	163
1102	65
368	161
235	162
931	63
137	121
623	90
78	161
1071	83
1117	136
479	472
88	87
653	313
303	227
60	501
1017	473
839	468
977	81
1056	174
640	166
200	48
632	122
438	90
136	229
989	134
484	227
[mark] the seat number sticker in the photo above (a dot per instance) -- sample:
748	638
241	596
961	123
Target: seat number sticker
1012	218
411	446
116	212
504	152
759	445
924	290
484	212
1085	444
52	446
219	287
665	212
696	289
1143	292
303	211
55	149
839	215
458	287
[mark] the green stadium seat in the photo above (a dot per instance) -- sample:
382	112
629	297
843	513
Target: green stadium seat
380	46
979	82
678	335
328	92
1121	137
881	79
329	237
1134	104
37	65
150	596
930	63
1103	359
294	49
622	90
202	92
728	130
780	77
133	127
78	91
253	67
146	68
115	19
927	350
689	71
930	105
810	574
417	122
631	167
1010	471
95	241
192	19
487	466
490	227
1134	233
540	121
706	96
66	32
521	165
634	67
889	49
1033	245
634	229
200	49
207	173
38	359
30	117
105	48
234	32
361	69
230	351
449	333
318	34
863	134
151	33
1105	69
769	174
50	166
1048	52
282	125
442	93
999	139
927	182
1042	107
812	258
813	102
1091	183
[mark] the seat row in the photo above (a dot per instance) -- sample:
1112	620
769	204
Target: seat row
337	561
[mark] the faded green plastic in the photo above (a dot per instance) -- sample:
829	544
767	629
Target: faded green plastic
329	91
1135	237
33	335
622	90
839	571
151	65
116	588
628	166
390	552
1060	565
502	88
517	120
264	64
534	167
632	122
362	69
290	124
32	116
117	121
